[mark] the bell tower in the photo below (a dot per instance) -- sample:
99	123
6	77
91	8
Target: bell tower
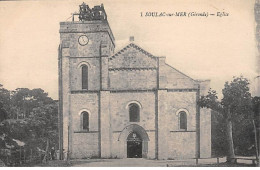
86	42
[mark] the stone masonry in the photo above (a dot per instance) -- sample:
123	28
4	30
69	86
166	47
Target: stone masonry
117	80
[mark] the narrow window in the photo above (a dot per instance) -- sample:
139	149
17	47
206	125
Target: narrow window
84	77
134	113
183	120
85	121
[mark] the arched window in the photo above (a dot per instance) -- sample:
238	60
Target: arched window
183	120
84	77
134	112
85	121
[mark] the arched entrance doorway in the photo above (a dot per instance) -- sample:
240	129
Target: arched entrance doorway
134	146
133	142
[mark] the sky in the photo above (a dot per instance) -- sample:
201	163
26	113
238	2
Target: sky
215	48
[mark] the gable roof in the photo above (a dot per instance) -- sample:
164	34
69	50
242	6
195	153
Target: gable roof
132	57
149	65
134	46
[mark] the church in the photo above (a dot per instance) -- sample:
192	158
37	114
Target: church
125	104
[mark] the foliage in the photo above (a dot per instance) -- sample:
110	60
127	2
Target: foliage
235	106
29	116
218	137
256	109
4	102
43	122
211	101
24	100
236	95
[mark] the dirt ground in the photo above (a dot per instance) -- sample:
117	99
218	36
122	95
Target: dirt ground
134	162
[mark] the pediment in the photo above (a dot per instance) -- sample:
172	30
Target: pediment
132	56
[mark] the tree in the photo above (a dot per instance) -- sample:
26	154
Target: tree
24	100
256	111
3	113
218	137
43	122
235	106
4	102
29	116
37	131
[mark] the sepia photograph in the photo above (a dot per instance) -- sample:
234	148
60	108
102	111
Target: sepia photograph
141	83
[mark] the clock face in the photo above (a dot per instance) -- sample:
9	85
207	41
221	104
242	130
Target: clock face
83	40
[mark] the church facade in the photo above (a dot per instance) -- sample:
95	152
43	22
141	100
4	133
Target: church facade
125	104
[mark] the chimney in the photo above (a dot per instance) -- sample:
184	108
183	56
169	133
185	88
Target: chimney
131	38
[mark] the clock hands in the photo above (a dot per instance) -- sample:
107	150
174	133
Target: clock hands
83	40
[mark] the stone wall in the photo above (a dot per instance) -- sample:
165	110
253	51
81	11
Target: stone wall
100	44
105	123
98	32
171	78
65	100
84	143
135	79
120	112
205	123
120	119
129	76
132	57
163	128
182	145
205	133
84	102
76	72
181	100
